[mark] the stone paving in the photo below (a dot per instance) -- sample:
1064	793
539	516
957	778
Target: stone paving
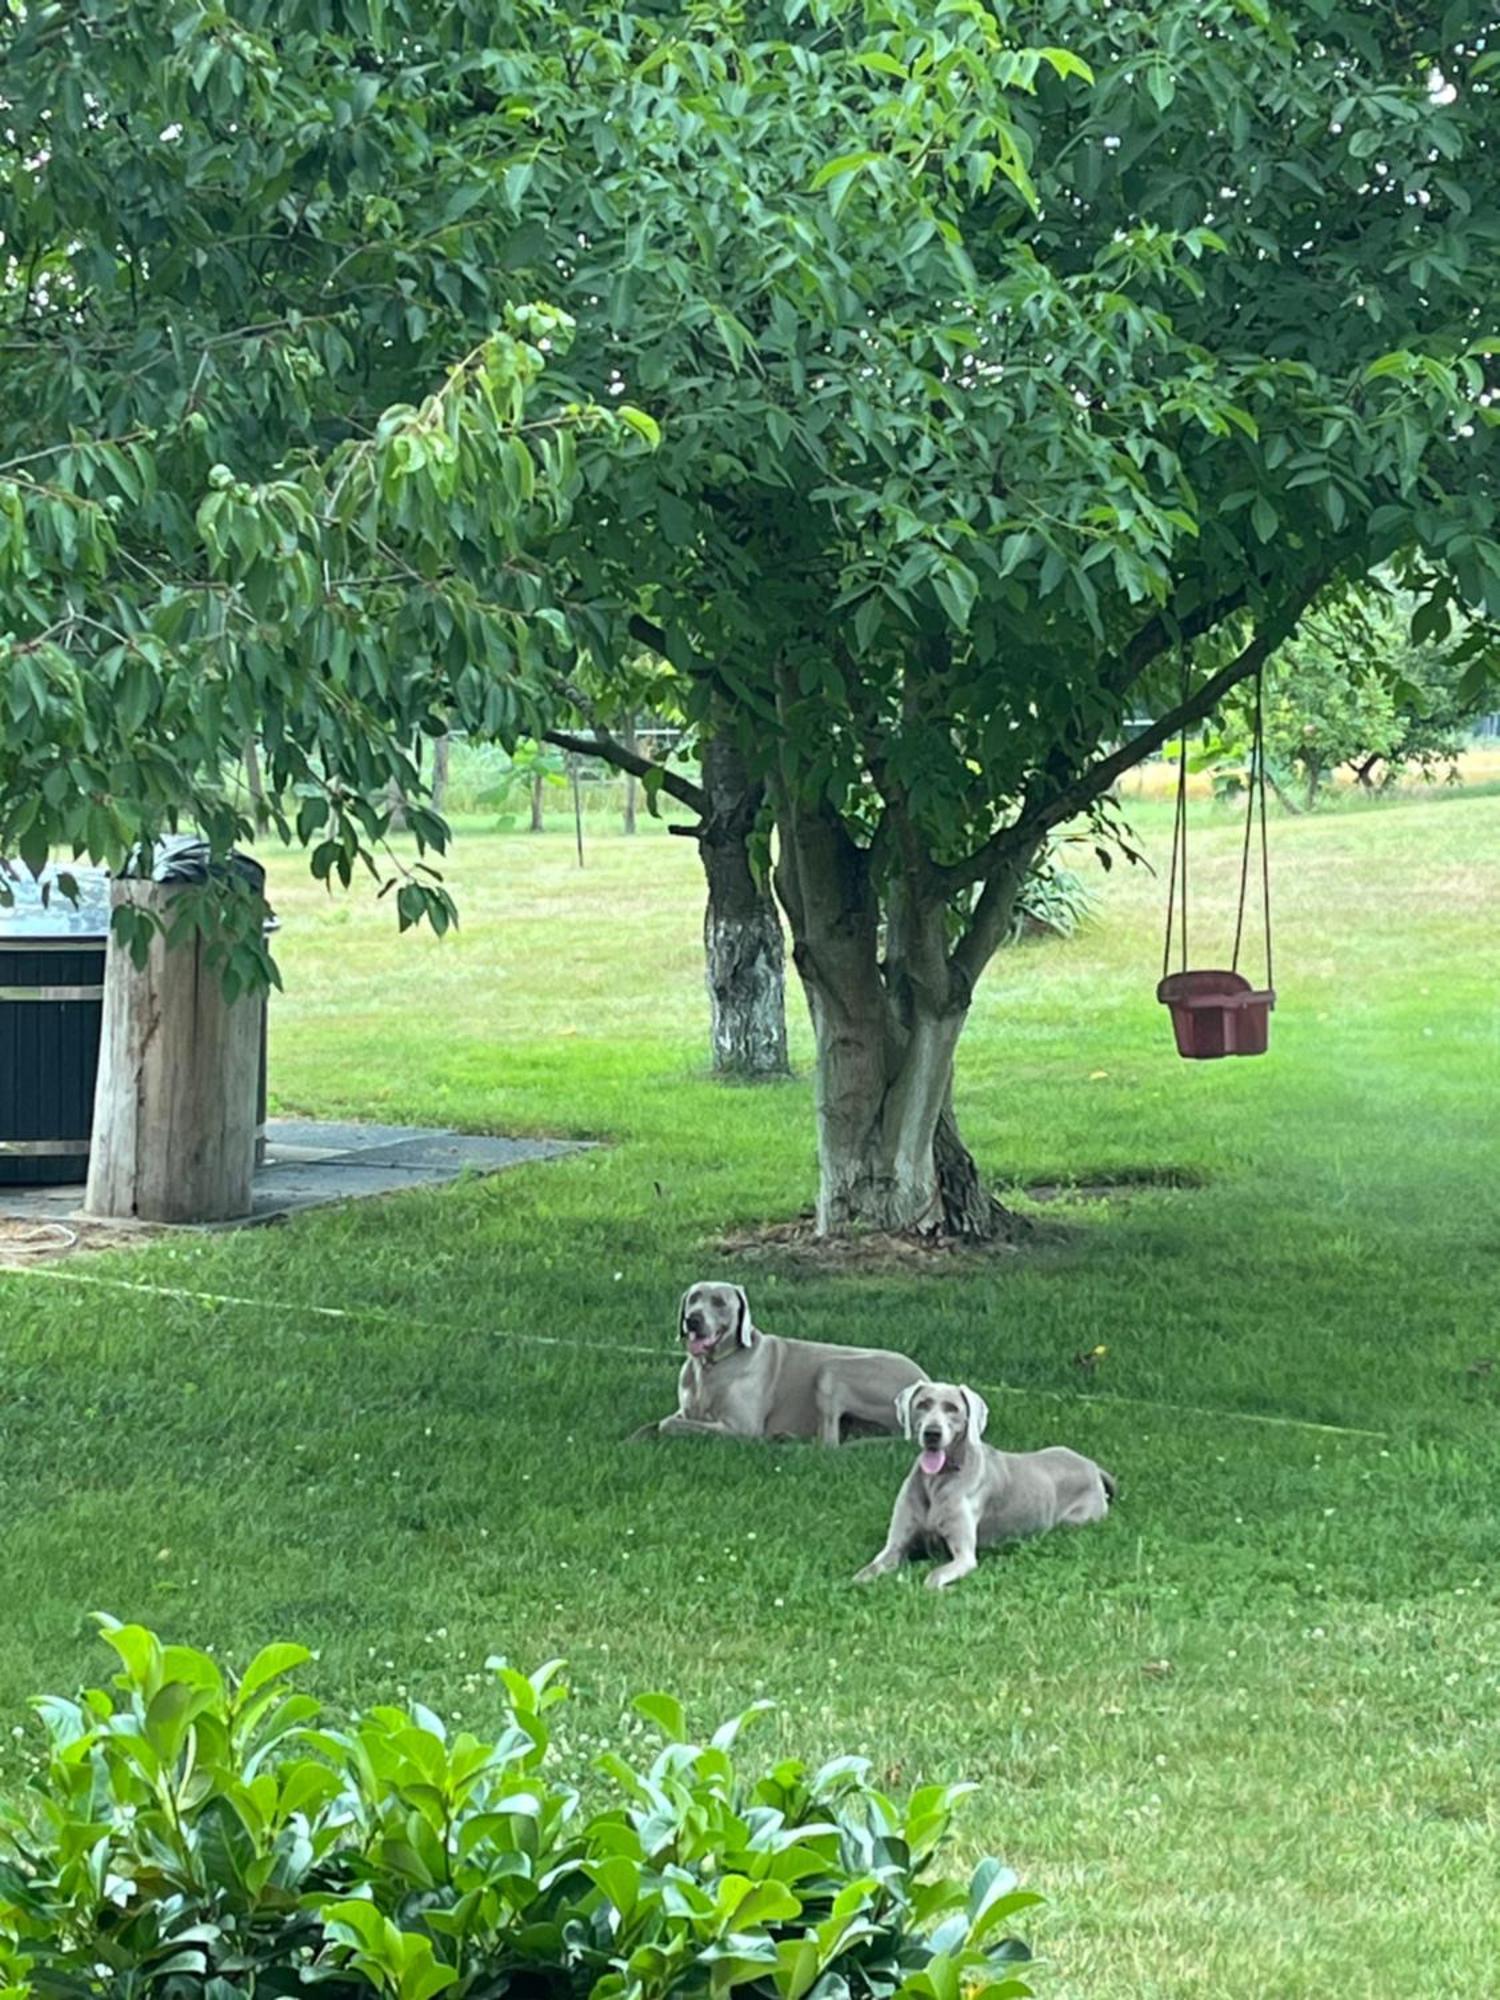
309	1165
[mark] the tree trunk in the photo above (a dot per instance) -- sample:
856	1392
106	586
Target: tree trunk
441	750
745	961
890	1156
1283	797
632	744
538	824
253	780
176	1101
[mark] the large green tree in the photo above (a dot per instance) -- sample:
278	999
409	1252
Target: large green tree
1006	358
1019	367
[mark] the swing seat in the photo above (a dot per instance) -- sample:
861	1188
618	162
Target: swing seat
1217	1013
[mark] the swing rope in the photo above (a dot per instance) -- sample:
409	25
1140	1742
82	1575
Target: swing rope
1256	792
1179	847
1255	800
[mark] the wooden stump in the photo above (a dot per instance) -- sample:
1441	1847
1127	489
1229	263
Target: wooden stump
175	1107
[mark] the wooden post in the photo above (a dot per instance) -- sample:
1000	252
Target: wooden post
179	1067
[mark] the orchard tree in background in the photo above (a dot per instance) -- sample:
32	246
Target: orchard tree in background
1354	690
744	952
1018	369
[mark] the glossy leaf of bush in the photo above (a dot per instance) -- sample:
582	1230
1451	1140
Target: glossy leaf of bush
193	1836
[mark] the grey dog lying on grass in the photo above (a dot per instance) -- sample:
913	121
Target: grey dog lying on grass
963	1495
737	1381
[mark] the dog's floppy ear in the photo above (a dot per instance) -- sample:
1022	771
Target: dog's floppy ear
978	1409
742	1324
903	1407
682	1313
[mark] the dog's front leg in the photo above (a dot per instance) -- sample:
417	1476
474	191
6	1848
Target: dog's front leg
677	1425
963	1549
891	1557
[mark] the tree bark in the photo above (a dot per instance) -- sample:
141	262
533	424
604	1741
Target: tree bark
253	779
890	1155
745	962
538	823
628	738
442	748
176	1101
576	777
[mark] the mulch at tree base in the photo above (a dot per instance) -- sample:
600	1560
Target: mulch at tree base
797	1241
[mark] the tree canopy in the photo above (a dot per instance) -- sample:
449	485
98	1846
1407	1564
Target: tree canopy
272	458
1071	356
1018	369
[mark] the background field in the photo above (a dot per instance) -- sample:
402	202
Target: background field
1244	1737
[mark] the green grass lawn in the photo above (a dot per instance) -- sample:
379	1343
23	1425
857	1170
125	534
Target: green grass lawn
1244	1736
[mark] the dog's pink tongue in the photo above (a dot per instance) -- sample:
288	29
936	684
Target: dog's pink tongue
932	1462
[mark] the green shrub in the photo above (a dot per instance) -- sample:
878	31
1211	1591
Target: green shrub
193	1837
1054	900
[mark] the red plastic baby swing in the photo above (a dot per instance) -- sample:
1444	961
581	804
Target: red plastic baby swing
1214	1012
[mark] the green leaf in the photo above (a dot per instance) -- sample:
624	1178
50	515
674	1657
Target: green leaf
666	1712
798	1964
620	1880
643	425
1066	64
876	59
956	588
846	164
867	620
1161	85
270	1664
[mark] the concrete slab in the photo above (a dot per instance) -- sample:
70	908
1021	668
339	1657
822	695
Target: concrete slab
310	1165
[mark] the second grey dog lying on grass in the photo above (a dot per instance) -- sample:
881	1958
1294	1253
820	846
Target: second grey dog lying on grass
962	1495
739	1382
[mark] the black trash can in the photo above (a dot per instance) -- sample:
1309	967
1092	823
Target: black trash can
51	1009
51	995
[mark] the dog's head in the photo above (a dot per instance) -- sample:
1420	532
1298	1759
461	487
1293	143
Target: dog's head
941	1417
714	1319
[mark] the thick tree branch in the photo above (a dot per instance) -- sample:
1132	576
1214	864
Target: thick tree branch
990	919
1149	643
609	750
1160	633
646	632
1098	778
